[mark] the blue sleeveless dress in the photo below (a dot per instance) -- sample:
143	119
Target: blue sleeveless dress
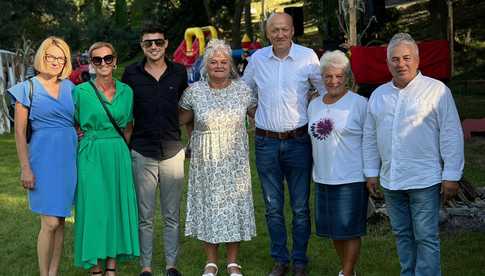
52	149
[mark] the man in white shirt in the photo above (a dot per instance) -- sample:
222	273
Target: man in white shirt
413	140
282	75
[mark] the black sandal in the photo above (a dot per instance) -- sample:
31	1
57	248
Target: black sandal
110	270
96	272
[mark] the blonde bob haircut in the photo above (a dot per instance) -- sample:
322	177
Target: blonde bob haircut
39	59
101	44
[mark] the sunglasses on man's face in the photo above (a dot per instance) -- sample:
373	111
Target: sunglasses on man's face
108	59
159	42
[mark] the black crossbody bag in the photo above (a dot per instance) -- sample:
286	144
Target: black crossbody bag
115	125
28	130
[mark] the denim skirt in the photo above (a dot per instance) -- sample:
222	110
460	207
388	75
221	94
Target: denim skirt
341	210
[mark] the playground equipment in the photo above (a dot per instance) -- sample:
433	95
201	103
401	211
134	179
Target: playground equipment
199	33
191	50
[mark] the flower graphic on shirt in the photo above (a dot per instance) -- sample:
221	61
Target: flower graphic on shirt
321	129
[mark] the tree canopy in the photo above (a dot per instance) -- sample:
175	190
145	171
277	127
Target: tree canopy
82	22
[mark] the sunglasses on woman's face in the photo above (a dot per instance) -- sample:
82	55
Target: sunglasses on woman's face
159	42
108	59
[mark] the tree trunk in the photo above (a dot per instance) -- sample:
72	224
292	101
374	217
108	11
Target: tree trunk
248	20
236	24
208	12
352	23
439	18
451	36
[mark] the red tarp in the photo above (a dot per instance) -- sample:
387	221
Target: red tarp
370	67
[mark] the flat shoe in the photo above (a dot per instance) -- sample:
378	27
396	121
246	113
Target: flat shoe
231	265
213	265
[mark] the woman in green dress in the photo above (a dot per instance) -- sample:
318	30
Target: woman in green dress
106	228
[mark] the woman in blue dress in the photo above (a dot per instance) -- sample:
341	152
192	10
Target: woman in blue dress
48	161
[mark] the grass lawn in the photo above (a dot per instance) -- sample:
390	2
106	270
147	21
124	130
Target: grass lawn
462	253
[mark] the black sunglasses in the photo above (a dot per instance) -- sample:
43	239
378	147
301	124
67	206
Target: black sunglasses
108	59
159	42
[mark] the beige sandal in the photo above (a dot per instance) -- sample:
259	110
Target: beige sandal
208	265
234	265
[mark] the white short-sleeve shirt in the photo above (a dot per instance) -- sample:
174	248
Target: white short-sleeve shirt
336	133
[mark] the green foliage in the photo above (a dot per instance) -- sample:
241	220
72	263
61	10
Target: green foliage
34	19
83	22
323	13
121	14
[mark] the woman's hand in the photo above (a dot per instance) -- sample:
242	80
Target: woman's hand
79	132
185	116
27	178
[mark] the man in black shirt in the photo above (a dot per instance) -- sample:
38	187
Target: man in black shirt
157	152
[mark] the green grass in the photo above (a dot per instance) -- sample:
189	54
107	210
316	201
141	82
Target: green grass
462	253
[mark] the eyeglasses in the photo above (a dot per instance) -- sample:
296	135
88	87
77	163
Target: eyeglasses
159	42
108	59
51	58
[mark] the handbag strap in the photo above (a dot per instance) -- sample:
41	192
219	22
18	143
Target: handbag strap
31	97
115	125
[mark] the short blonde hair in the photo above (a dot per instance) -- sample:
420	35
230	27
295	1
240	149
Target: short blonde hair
101	44
39	59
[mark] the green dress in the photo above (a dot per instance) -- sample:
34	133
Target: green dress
106	211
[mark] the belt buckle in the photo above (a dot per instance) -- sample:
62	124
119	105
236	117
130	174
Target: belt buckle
283	135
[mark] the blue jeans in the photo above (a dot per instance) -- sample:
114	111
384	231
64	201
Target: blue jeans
414	216
277	160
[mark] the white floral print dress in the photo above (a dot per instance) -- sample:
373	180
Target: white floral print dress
219	200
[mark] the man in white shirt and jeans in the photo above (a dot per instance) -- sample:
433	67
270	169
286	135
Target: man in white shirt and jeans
282	75
414	142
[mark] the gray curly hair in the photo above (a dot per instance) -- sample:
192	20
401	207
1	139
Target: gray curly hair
336	59
401	38
217	46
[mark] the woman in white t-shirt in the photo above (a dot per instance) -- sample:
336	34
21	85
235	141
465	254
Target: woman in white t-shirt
336	121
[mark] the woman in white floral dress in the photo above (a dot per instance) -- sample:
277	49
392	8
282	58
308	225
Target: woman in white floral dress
219	201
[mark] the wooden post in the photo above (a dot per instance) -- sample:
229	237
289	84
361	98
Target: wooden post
352	23
451	36
262	23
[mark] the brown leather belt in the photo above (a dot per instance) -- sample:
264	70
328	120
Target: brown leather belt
283	135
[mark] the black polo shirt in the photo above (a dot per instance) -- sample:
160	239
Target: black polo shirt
156	132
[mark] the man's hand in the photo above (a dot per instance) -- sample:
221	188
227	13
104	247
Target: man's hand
449	189
372	185
312	94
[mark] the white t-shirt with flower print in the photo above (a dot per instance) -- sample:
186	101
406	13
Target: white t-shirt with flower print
336	133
